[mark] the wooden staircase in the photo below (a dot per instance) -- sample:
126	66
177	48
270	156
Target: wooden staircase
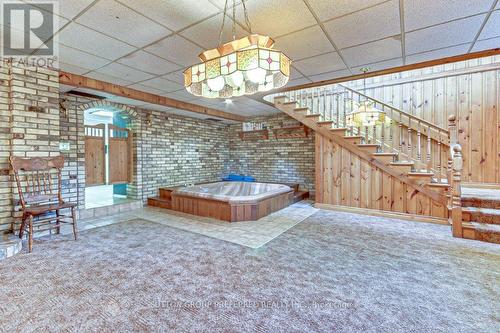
481	215
423	181
164	200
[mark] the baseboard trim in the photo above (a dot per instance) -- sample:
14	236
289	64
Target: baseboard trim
379	213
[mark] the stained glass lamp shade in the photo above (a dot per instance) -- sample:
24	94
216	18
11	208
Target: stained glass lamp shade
365	114
241	67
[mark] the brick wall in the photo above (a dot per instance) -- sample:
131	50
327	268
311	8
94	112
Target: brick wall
282	160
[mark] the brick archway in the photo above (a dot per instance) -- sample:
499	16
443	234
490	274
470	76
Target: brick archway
125	111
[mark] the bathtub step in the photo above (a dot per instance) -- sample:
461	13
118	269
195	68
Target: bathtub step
160	202
300	195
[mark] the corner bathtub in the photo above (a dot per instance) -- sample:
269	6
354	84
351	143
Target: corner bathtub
232	201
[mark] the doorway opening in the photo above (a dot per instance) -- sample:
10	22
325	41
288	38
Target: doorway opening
108	157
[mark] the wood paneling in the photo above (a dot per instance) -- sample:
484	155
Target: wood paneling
469	90
95	160
346	180
119	155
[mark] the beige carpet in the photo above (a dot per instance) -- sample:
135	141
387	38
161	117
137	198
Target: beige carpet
334	272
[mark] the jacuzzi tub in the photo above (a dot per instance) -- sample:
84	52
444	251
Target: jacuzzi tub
234	192
232	201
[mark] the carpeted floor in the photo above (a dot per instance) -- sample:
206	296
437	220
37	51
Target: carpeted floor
334	272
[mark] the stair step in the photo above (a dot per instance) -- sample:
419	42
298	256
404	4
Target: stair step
403	167
300	195
421	174
385	157
160	202
314	116
325	123
369	147
354	139
482	232
301	110
9	245
338	131
481	215
166	193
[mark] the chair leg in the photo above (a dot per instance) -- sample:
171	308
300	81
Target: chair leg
22	226
30	234
58	229
73	216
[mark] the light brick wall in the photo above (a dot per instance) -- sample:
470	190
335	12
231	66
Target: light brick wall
282	160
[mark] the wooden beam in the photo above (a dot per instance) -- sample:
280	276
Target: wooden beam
89	83
398	69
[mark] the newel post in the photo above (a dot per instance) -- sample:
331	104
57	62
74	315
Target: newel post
456	200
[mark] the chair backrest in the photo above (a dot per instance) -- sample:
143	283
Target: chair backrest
38	179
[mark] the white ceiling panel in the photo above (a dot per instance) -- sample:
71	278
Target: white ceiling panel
71	8
277	17
174	14
177	76
366	25
181	95
148	63
162	84
108	78
327	9
124	72
379	65
72	68
443	35
176	49
320	64
486	44
79	58
381	50
141	87
206	33
122	23
305	43
124	100
330	75
294	73
88	40
419	14
297	82
436	54
492	27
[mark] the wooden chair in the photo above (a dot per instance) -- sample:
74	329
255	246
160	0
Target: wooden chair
39	185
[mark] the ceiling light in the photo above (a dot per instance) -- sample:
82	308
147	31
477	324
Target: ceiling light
228	101
241	67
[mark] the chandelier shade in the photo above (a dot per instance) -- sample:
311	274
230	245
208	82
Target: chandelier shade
240	67
365	115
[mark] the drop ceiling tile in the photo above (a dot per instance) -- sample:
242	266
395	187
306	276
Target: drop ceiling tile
297	82
220	3
148	63
492	27
437	54
419	14
326	9
124	100
320	64
181	95
79	58
124	72
176	49
294	73
71	8
174	14
88	40
366	25
177	76
108	78
486	44
277	17
330	75
443	35
162	84
384	49
72	68
122	23
143	88
391	63
206	33
303	44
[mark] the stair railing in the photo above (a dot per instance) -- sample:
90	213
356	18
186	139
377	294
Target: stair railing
412	138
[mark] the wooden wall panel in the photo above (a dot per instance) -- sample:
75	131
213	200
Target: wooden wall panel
434	93
345	180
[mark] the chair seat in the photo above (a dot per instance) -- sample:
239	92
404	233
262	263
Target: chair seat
38	210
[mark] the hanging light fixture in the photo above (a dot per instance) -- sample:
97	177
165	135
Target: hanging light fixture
365	113
241	67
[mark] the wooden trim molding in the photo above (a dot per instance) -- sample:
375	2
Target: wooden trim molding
386	214
117	90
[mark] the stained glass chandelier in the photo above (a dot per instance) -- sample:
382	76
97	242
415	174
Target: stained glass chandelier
365	113
241	67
